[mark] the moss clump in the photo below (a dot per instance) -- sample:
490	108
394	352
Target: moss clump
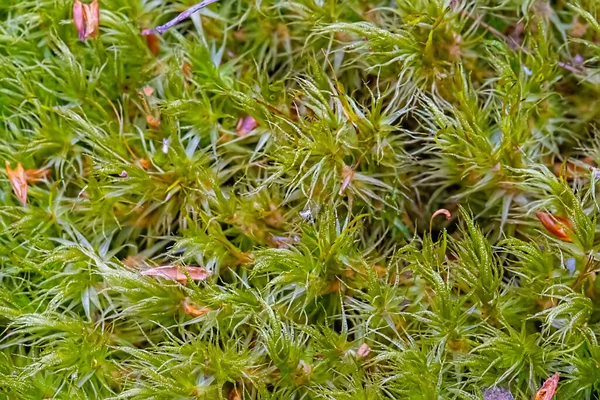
282	161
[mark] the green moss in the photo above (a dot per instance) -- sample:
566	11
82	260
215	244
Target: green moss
297	151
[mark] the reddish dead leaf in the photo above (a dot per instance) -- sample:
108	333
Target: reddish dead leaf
246	125
548	388
194	311
18	181
86	18
555	225
234	395
153	43
152	122
35	175
92	19
363	351
175	273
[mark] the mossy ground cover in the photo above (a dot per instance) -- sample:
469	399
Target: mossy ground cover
283	161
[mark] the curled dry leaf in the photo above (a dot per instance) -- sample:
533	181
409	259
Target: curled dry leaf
18	181
363	351
246	125
548	388
86	18
175	273
555	225
194	311
443	211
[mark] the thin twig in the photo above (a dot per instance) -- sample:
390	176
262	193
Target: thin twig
184	15
586	271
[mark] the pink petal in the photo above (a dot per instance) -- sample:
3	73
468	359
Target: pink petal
246	125
547	390
441	211
79	20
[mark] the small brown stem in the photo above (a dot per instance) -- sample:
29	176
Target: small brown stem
584	273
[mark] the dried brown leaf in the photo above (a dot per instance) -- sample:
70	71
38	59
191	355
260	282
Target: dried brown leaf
35	175
194	311
152	122
153	43
234	395
18	181
175	273
547	390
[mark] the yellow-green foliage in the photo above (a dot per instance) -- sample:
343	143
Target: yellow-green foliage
297	151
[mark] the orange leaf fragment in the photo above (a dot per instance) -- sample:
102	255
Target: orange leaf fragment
194	311
153	43
35	175
234	395
173	272
18	181
86	18
548	388
555	225
246	125
152	122
145	163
